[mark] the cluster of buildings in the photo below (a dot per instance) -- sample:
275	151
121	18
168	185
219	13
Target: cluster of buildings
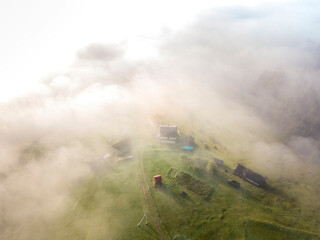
170	134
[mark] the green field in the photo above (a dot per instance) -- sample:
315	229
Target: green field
225	215
110	205
268	231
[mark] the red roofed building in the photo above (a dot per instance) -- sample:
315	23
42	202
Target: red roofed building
157	181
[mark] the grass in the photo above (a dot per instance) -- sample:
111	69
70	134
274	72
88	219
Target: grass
226	214
109	205
268	231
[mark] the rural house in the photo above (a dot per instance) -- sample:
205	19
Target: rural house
168	134
249	175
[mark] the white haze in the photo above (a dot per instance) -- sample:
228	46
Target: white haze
247	74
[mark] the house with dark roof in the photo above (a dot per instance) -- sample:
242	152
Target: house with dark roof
123	147
249	175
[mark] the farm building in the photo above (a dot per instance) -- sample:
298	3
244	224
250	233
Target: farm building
249	175
187	142
157	181
168	134
124	146
234	183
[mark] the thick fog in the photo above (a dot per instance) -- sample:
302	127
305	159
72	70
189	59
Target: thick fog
249	76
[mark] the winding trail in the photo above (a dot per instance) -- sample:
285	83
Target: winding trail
148	205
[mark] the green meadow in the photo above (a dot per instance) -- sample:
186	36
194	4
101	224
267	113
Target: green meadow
110	204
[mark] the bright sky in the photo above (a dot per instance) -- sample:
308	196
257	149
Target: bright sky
39	37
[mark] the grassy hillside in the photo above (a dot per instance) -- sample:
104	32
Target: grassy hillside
268	231
110	204
225	215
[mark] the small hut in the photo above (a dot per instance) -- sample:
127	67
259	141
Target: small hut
157	181
249	175
187	143
234	183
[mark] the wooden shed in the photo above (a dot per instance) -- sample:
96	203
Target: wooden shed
187	142
157	181
249	175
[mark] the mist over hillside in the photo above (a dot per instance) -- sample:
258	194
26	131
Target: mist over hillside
247	75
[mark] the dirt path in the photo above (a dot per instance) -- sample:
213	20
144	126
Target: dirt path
148	205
